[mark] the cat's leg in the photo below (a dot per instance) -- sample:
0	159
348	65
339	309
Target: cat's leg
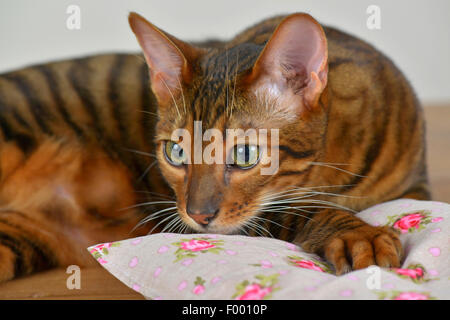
350	243
28	246
58	201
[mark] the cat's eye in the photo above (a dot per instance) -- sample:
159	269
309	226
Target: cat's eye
245	156
174	153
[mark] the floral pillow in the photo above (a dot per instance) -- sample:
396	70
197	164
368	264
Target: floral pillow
211	266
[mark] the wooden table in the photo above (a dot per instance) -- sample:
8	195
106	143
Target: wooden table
96	283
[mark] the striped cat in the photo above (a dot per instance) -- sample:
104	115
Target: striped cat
87	153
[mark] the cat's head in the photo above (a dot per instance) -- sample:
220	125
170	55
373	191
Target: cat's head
276	88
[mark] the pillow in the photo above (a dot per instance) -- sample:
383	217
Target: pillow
212	266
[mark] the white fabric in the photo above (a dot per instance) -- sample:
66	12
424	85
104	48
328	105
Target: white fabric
209	266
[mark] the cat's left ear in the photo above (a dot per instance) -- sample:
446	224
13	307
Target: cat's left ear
169	59
292	68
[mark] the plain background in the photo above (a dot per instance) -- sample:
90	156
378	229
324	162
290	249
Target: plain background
415	34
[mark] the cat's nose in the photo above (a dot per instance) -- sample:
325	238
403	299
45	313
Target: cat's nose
202	218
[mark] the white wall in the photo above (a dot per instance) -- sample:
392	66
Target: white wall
415	34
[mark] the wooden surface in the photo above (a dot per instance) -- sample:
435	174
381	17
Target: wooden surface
96	283
438	155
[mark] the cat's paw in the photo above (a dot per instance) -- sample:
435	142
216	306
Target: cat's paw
362	247
6	264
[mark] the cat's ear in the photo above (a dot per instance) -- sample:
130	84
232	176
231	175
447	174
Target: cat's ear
169	59
292	67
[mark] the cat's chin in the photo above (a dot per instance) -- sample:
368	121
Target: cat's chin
220	230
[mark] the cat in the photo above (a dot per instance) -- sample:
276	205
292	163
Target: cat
87	152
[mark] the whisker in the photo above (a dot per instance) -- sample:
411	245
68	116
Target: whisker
276	223
303	195
173	98
332	204
153	216
274	208
157	214
328	165
293	213
156	194
306	192
142	153
171	223
182	94
227	77
149	112
294	187
147	170
140	58
148	204
251	227
165	219
234	86
183	229
177	225
258	226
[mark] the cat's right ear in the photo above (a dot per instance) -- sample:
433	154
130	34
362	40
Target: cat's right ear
169	59
292	68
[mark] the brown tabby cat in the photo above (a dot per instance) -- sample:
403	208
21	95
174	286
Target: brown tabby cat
86	145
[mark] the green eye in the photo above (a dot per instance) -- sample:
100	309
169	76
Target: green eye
174	153
245	156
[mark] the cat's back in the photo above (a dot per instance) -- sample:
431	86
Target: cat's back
81	97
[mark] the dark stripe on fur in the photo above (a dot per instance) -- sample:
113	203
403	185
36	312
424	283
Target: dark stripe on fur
37	109
296	154
58	99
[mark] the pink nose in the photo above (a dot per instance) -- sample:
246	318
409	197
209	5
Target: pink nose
202	218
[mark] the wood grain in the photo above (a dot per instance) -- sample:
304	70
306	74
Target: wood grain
97	283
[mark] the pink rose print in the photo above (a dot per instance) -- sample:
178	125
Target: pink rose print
199	286
182	285
163	249
136	287
412	273
435	251
437	219
189	248
301	262
133	262
409	221
308	265
260	289
254	292
196	245
187	262
408	295
411	296
198	289
215	280
346	293
157	272
99	247
101	250
137	241
266	264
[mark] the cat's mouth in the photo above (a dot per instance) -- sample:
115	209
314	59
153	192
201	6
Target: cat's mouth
215	226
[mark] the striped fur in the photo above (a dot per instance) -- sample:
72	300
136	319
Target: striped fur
81	158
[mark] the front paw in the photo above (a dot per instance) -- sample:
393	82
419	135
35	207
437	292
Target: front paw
362	247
